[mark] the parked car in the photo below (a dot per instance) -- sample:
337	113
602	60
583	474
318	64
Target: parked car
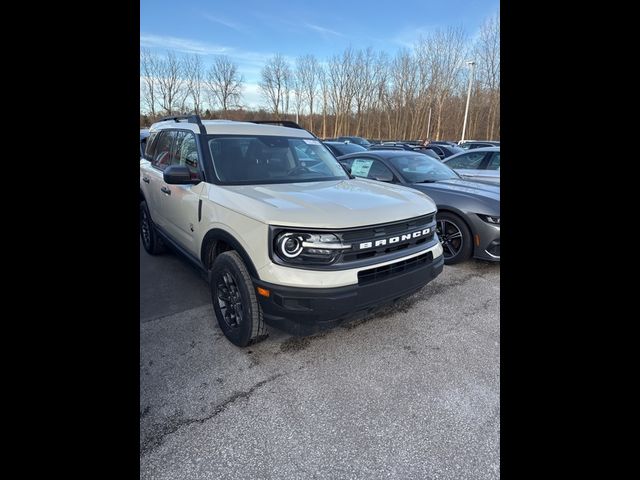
443	142
405	146
357	140
144	134
443	151
343	148
298	247
471	144
479	164
468	217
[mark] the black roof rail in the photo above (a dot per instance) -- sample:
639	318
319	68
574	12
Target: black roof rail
190	119
282	123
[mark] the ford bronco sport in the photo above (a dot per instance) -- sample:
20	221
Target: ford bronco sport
284	233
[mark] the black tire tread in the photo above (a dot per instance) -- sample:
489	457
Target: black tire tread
156	247
258	328
467	249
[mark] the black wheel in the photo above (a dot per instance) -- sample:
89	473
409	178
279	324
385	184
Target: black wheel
150	240
455	237
234	301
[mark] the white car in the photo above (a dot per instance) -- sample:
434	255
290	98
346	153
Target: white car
478	164
298	246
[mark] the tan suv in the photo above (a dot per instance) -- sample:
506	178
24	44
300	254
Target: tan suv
284	233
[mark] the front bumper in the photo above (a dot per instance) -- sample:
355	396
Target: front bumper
486	241
304	311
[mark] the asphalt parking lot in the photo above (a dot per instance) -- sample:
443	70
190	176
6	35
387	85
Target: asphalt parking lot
412	392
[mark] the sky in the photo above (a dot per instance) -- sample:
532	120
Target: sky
249	32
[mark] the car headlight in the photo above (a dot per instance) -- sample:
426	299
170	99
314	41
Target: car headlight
308	248
490	219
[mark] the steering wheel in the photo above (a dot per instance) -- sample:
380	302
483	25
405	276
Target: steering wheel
299	169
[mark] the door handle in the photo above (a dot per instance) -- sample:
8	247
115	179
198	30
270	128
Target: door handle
145	179
166	190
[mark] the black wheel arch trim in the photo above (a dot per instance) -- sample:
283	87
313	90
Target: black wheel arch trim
219	234
455	211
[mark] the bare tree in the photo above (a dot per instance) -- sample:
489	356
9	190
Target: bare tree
364	83
487	54
378	94
149	75
170	82
275	83
224	83
298	97
194	78
324	85
444	53
341	75
308	72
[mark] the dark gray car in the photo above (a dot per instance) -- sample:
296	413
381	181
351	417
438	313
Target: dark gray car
468	218
343	148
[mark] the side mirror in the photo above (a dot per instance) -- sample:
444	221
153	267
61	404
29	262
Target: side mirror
179	175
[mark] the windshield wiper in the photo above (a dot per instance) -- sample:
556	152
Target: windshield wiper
427	181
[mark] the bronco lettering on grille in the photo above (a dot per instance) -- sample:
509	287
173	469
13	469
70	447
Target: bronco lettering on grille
389	241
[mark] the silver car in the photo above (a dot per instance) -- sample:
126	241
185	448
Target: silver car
479	164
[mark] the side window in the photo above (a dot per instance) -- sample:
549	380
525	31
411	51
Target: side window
370	168
379	171
467	160
186	152
494	163
347	162
150	145
162	154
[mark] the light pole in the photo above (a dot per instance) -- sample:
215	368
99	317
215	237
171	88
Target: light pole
466	110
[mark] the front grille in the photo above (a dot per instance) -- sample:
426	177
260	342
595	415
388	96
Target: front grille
373	244
366	233
370	234
376	274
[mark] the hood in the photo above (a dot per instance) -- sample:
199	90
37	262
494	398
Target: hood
463	187
329	204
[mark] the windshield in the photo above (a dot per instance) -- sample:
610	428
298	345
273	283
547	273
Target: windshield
247	159
419	168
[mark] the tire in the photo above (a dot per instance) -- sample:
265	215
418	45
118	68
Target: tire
234	301
457	242
150	239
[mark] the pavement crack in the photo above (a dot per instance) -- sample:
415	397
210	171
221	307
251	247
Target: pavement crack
176	421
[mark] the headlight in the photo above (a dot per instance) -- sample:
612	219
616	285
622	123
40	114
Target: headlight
308	248
490	219
289	245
